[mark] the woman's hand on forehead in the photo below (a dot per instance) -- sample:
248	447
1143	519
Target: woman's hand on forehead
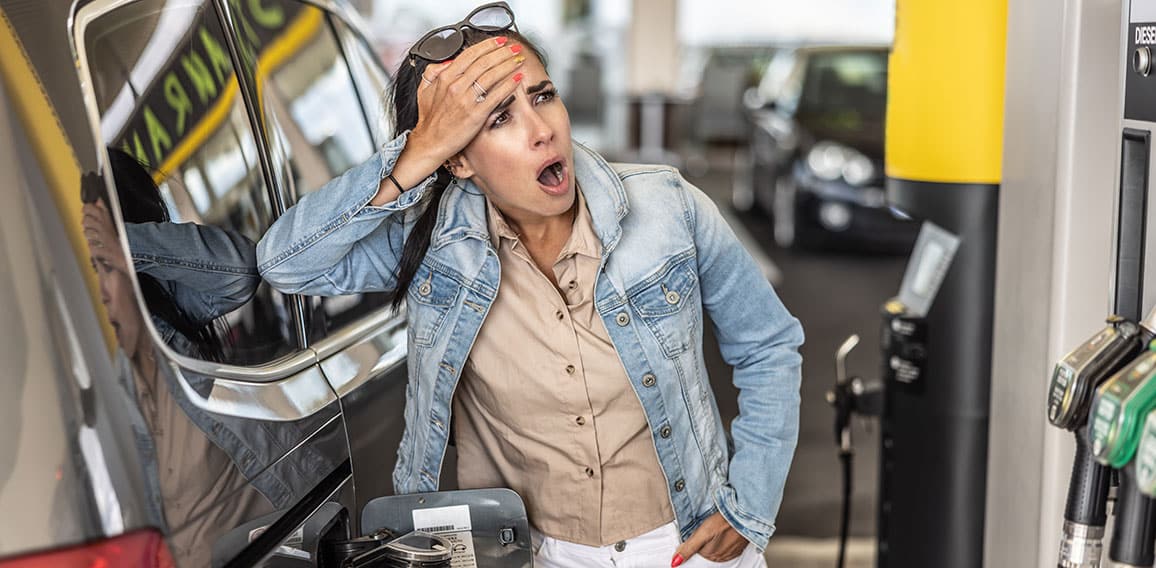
455	97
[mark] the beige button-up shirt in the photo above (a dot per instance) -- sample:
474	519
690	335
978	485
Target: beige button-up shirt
544	405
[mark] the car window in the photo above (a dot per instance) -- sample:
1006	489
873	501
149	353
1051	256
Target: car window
184	161
842	80
776	80
372	82
311	114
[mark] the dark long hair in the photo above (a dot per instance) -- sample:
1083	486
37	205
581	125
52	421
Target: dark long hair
405	116
140	202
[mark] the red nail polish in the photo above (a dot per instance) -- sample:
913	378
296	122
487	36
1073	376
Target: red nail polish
516	48
676	561
501	40
517	77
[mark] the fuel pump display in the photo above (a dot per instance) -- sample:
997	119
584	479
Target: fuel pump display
1120	406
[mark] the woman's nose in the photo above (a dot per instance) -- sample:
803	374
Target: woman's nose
541	132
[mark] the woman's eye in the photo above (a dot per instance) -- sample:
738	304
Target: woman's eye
545	96
500	119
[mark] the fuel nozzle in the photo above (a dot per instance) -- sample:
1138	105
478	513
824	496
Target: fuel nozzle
1118	416
1080	371
851	396
1070	395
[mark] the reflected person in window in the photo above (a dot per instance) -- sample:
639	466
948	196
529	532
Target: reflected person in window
555	309
193	453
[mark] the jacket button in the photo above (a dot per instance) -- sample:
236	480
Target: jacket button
648	380
664	432
581	421
558	314
424	289
570	369
622	319
679	485
589	472
672	297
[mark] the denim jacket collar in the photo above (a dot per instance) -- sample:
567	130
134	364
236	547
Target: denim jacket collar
462	213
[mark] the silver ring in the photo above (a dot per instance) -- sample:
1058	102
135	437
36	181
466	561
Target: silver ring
480	90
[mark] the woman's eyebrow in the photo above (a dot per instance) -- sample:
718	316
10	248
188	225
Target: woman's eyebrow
535	88
531	90
509	101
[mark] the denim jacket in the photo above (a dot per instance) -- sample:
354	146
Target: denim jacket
667	255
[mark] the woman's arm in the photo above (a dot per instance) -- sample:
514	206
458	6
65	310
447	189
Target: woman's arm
335	240
209	271
760	339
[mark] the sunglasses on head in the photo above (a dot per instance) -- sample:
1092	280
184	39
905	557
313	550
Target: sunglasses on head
445	42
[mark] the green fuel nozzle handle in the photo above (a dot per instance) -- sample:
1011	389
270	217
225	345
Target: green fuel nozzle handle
1146	457
1119	409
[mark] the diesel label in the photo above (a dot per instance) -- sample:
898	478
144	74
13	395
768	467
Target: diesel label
1145	35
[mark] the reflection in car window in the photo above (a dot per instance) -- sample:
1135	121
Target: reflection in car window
842	80
312	116
371	80
168	97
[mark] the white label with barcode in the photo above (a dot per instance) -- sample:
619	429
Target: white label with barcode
453	524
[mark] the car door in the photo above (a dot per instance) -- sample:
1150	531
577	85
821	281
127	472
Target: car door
322	112
246	433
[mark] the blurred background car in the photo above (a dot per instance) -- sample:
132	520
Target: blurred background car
815	161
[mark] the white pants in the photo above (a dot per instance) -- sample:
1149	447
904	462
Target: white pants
651	550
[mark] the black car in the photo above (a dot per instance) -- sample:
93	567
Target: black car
160	404
816	150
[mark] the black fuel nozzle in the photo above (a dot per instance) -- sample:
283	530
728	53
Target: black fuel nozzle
851	396
1070	395
1135	528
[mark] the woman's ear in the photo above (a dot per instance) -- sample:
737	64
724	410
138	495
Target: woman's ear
460	166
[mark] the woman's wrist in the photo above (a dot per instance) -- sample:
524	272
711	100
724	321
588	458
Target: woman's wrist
414	164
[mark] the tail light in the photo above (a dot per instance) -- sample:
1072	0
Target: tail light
139	549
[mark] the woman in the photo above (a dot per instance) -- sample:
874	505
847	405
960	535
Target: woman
555	306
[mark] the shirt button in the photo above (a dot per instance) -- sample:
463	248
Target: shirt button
622	319
572	285
589	472
570	369
620	545
580	420
664	432
648	380
558	314
679	485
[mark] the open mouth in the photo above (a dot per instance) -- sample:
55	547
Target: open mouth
553	174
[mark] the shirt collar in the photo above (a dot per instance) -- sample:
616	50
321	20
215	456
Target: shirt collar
583	239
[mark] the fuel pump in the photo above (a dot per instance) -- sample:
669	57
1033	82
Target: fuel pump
1073	385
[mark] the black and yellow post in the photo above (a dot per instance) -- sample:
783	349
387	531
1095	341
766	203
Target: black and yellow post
943	157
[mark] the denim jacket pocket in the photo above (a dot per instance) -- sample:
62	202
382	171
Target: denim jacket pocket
665	301
431	296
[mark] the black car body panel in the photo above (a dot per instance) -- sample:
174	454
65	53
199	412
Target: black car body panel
109	408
